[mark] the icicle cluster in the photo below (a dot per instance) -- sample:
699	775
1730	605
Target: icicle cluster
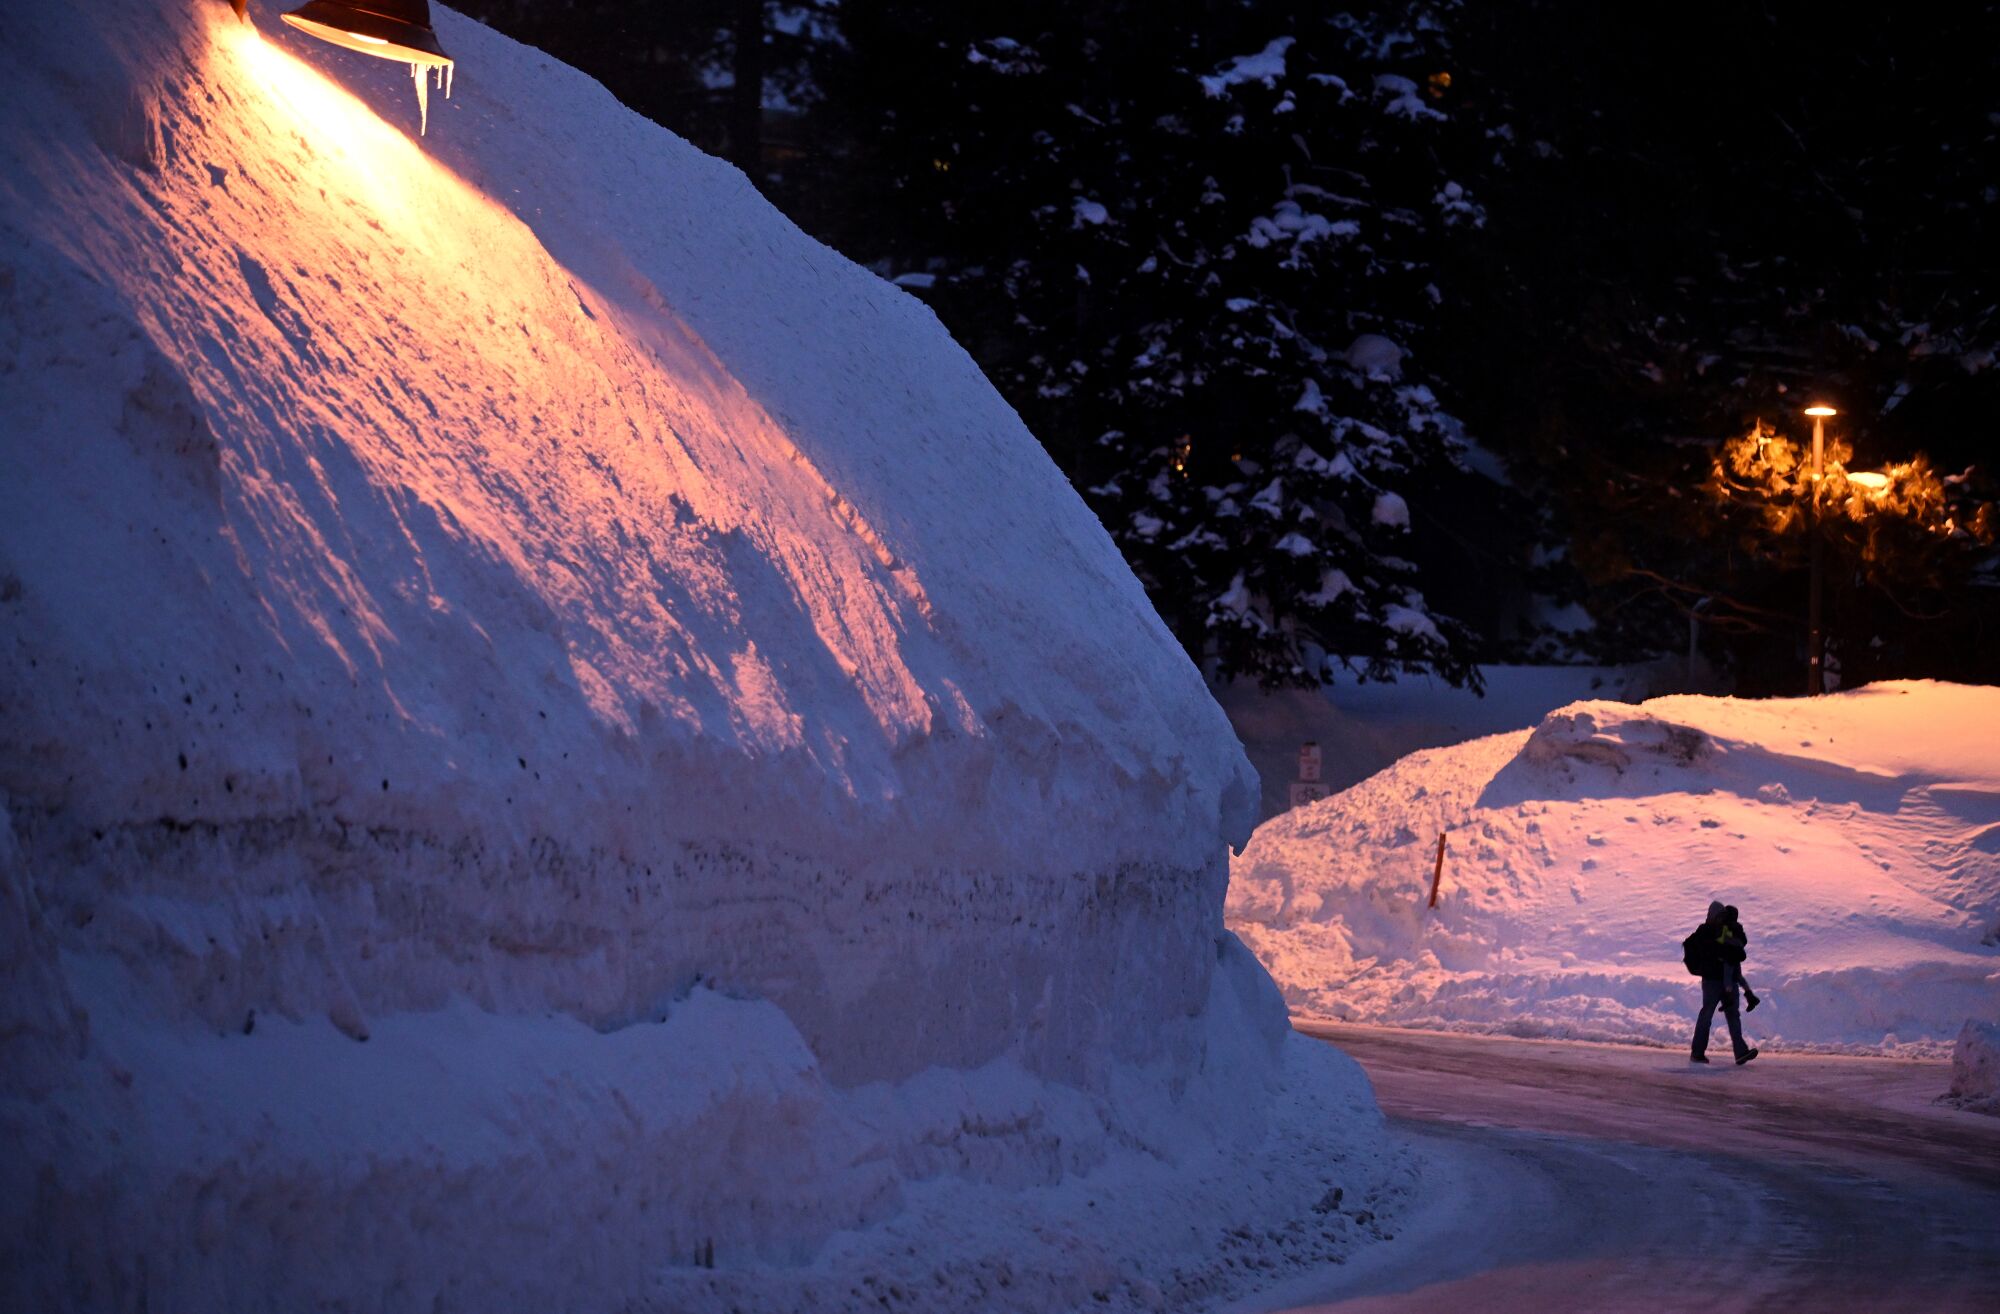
417	72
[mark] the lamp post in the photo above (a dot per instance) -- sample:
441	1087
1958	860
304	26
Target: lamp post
1815	644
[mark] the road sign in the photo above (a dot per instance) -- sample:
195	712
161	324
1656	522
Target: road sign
1307	791
1308	761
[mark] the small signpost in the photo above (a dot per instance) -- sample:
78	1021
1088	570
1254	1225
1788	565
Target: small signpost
1308	788
1437	873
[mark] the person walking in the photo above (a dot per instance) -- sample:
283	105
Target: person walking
1716	953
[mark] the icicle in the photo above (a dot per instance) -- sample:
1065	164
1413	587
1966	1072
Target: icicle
420	74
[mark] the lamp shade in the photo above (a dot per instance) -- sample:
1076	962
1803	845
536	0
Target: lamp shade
389	29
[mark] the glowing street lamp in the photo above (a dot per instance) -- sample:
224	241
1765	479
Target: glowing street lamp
387	29
1821	414
1815	641
1784	486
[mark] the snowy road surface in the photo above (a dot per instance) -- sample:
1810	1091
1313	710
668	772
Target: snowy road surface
1601	1177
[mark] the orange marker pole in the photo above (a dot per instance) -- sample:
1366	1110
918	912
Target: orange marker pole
1438	874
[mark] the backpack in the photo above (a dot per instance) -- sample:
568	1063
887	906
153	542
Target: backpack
1696	953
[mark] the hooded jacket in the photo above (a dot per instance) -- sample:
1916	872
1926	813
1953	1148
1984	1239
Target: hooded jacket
1715	944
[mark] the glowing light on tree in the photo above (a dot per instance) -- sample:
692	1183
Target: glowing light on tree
1904	533
1765	471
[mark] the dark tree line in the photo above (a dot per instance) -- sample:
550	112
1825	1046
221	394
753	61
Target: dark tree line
1411	335
1741	209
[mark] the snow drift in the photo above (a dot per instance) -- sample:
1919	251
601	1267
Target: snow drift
1975	1066
1859	834
558	740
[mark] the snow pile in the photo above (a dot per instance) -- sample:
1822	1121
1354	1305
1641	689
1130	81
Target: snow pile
1975	1066
558	741
1859	834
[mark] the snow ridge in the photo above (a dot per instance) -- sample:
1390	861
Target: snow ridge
1856	833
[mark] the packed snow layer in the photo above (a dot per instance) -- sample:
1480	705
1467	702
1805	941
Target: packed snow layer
550	725
1859	835
701	1161
1975	1066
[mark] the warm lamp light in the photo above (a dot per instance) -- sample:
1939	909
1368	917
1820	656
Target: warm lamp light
388	29
1820	412
1871	480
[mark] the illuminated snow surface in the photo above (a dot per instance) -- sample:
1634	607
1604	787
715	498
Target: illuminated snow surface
1858	834
552	729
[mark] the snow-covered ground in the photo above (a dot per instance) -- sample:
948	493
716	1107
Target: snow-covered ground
1858	833
1975	1066
560	744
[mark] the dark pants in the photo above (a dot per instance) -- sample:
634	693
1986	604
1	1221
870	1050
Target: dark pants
1714	991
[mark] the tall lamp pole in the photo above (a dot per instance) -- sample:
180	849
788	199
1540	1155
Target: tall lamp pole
1815	640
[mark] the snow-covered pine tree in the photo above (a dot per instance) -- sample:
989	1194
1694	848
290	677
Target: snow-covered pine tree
1195	248
1711	223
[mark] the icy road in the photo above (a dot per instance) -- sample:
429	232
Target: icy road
1600	1177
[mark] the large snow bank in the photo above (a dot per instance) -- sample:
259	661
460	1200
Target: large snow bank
1975	1066
551	727
1859	834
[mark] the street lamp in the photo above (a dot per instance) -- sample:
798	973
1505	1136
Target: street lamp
387	29
1815	645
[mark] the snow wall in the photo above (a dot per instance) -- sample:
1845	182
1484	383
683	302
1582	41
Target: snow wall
550	726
